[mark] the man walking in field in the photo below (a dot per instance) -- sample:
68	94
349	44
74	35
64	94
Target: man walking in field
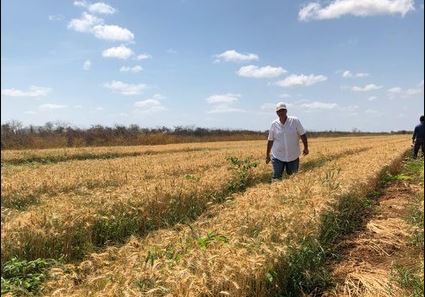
283	143
418	138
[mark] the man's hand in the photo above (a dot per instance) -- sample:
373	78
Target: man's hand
305	152
267	159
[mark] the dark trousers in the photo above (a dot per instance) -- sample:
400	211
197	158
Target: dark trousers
419	144
280	166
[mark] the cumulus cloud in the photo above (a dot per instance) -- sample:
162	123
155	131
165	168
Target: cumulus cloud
372	98
112	32
373	112
34	91
234	56
224	103
149	105
101	8
301	80
349	74
50	106
87	65
143	57
134	69
81	3
119	52
367	88
85	23
224	98
395	90
319	105
399	92
359	8
260	72
89	23
125	88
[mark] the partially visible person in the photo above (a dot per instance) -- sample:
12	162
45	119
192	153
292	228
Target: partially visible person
284	143
418	138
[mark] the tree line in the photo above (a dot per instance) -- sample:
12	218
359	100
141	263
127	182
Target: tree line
14	135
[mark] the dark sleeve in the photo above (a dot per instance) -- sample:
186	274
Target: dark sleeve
415	132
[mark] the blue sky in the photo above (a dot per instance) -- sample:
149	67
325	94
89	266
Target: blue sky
338	64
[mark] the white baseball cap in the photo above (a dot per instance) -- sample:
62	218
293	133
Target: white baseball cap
280	106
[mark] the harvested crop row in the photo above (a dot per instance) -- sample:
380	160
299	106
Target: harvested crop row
23	186
71	225
46	156
233	249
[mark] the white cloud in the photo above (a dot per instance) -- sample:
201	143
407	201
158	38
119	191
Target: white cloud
284	96
78	106
301	80
225	109
367	88
149	105
102	8
349	74
143	57
372	98
268	107
81	3
395	90
413	91
260	72
134	69
224	98
34	91
87	65
49	106
57	17
359	8
89	23
171	51
112	32
224	103
99	108
29	112
125	88
373	112
319	105
234	56
120	52
85	23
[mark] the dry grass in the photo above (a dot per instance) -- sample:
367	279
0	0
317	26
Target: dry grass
233	248
156	193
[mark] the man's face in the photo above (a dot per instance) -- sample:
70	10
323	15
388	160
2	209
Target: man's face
281	113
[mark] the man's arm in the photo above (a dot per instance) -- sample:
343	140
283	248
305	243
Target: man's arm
305	143
414	135
269	148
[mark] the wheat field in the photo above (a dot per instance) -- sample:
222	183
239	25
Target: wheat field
176	220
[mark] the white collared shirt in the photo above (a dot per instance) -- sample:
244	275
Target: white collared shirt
286	143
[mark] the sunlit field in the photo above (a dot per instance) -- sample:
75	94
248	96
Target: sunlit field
180	220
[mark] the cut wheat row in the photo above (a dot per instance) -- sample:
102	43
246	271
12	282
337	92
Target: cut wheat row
46	156
63	154
22	186
228	251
